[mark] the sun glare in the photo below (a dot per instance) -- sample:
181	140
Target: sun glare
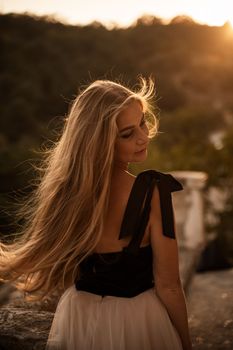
210	12
231	22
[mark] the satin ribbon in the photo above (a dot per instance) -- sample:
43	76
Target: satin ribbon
138	206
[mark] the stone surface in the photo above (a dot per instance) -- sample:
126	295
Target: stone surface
24	329
210	308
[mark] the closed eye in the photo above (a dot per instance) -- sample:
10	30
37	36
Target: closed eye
143	122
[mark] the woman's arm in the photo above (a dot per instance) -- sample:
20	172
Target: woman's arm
166	273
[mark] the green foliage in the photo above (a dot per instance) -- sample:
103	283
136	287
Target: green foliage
185	138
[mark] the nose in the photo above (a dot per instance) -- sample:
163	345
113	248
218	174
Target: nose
142	137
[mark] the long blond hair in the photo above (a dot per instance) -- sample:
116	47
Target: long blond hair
65	213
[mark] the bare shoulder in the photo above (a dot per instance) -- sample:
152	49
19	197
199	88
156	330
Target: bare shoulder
165	249
122	183
121	186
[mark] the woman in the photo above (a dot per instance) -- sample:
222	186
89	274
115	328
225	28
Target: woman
99	235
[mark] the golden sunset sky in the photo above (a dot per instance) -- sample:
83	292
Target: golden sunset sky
124	12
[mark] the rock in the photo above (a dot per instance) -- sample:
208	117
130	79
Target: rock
24	325
210	310
24	329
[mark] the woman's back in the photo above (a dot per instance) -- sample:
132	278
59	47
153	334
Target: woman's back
122	269
126	270
113	304
121	188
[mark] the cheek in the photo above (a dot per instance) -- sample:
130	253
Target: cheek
123	150
146	130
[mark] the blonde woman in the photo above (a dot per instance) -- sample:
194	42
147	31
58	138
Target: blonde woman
102	236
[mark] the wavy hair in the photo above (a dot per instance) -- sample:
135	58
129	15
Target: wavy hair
64	214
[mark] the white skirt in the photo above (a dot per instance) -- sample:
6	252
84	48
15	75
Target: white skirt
86	321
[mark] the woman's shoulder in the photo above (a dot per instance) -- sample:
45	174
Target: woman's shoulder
163	179
122	184
161	202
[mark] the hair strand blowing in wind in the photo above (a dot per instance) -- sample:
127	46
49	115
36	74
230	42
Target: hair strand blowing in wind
64	214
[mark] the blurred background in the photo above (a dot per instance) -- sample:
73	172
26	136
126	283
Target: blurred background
49	49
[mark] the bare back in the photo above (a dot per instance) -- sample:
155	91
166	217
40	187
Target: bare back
119	195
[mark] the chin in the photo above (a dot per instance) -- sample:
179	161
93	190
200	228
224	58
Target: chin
140	157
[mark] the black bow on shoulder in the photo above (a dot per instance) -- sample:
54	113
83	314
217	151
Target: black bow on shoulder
138	207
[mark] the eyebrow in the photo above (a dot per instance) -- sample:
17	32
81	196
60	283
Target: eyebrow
132	126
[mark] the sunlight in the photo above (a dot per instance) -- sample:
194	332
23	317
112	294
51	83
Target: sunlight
229	28
124	12
217	16
231	22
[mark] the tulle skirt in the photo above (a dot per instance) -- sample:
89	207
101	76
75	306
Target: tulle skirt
86	321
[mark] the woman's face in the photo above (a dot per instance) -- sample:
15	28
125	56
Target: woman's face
132	139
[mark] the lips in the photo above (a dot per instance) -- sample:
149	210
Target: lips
141	150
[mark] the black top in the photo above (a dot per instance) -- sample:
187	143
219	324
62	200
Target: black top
129	272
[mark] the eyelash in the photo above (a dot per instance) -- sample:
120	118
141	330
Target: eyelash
131	133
